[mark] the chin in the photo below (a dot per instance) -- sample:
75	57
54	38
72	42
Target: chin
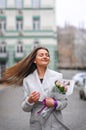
45	65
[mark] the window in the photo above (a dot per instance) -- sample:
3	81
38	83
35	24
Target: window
36	44
3	57
2	24
19	47
35	3
2	68
36	23
19	51
18	4
2	47
19	23
2	4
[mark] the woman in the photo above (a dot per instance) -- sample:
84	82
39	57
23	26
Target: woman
38	80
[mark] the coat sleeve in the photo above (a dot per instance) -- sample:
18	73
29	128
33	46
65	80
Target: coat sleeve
61	104
26	106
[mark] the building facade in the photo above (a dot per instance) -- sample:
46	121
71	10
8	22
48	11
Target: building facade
25	24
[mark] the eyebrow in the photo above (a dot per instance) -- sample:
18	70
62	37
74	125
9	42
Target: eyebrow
43	53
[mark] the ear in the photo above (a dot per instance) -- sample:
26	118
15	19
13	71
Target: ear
35	61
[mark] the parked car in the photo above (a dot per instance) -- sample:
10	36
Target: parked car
79	78
82	91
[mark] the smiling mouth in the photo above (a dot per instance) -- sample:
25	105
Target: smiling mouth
45	60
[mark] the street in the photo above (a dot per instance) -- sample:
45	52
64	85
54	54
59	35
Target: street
74	114
13	118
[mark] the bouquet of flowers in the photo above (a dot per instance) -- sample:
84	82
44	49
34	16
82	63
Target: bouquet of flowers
58	92
62	86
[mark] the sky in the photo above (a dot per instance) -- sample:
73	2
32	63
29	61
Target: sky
71	12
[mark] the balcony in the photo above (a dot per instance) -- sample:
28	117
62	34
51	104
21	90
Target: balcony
3	57
18	56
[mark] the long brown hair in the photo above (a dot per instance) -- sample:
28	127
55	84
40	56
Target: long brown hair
16	73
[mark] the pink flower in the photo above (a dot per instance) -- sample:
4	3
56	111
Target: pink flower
62	86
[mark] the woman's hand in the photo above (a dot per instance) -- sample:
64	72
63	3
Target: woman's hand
34	97
49	102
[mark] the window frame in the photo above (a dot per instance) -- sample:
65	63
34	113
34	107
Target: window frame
19	47
2	47
2	23
35	3
19	4
2	5
19	23
36	23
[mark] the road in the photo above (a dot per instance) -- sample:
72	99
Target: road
11	115
75	113
13	118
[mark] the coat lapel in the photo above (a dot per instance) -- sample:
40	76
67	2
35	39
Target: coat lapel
47	84
44	86
39	86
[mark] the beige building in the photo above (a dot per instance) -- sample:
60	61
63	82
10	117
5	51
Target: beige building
71	48
25	24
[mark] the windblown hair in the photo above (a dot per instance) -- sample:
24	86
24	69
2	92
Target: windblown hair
16	73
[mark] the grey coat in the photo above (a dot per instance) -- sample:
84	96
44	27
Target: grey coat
53	120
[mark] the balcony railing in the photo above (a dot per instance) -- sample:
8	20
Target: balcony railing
3	57
18	56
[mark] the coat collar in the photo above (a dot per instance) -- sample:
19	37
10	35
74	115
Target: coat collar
41	86
46	75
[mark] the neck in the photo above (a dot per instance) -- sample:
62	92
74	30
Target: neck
41	72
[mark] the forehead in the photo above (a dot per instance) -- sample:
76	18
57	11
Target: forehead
42	51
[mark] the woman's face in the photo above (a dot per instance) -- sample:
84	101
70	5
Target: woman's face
42	58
